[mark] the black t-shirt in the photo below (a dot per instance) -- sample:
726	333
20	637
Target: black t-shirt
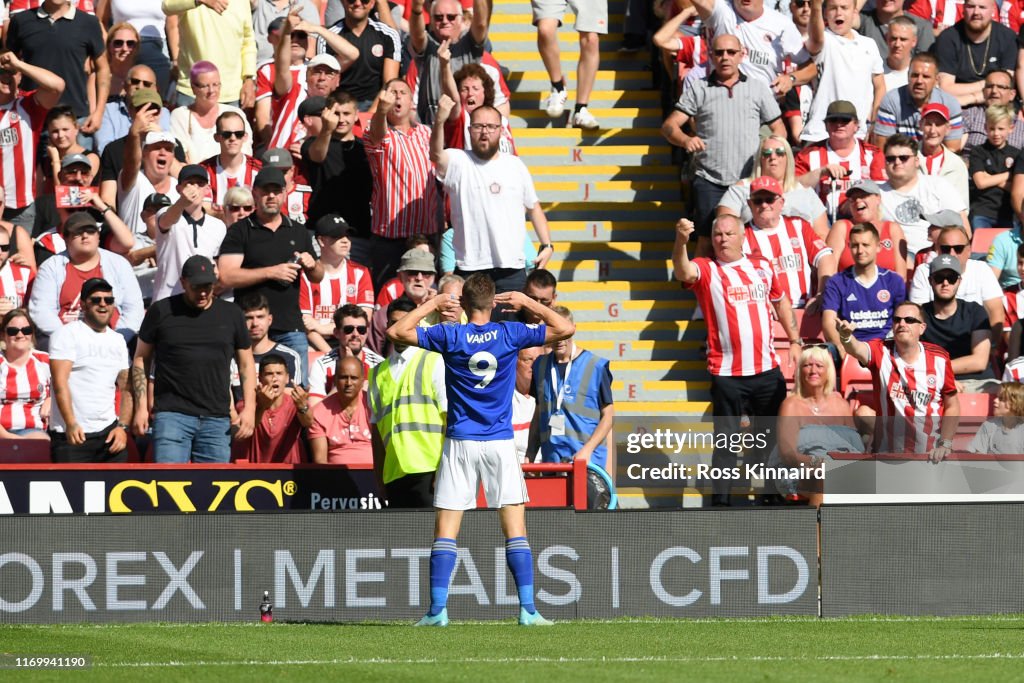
112	159
995	201
342	184
193	352
261	247
970	62
377	42
954	333
61	47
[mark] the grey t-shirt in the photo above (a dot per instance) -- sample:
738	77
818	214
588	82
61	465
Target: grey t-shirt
266	11
870	27
995	439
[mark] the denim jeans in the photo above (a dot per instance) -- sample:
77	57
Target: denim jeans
180	438
299	343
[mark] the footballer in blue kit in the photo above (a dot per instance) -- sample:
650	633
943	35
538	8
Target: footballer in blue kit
480	369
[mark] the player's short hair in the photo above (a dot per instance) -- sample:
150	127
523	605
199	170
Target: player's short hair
1012	394
474	70
402	304
542	279
348	311
253	302
899	140
273	359
478	292
861	228
563	311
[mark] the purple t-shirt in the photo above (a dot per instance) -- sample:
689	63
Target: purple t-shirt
870	308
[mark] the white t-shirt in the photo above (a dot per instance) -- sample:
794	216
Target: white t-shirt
96	359
180	242
523	408
895	79
769	40
928	195
977	284
846	68
129	206
489	202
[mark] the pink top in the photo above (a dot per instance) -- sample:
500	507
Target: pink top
348	441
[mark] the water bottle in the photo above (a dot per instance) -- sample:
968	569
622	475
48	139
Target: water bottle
266	609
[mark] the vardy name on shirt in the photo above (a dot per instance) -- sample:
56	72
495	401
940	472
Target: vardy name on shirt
482	338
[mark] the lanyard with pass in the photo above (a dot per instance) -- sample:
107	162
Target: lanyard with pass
557	421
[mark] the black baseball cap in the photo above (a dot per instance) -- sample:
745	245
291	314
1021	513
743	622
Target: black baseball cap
198	270
312	106
156	201
78	221
95	284
333	225
193	171
269	176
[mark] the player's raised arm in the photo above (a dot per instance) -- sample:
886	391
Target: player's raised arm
558	328
404	331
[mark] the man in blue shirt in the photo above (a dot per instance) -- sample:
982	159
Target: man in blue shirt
480	371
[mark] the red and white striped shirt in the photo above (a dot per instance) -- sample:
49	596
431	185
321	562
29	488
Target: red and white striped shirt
87	6
391	290
736	299
1014	371
1013	304
405	198
938	12
52	241
287	128
1011	14
221	181
793	249
20	127
26	387
351	284
912	395
15	283
865	161
321	372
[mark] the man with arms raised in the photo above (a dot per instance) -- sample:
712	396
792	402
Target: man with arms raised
480	365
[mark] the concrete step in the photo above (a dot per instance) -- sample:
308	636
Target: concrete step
622	155
629	309
599	173
652	210
618	117
625	191
539	81
521	14
604	98
641	371
557	138
612	290
611	231
519	35
648	330
632	408
662	390
603	251
643	349
596	270
520	57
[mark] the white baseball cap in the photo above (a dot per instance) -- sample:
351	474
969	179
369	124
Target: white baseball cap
324	59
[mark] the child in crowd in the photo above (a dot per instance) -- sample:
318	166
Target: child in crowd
991	170
1004	433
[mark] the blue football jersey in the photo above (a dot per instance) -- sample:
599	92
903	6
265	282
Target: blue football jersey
870	308
480	374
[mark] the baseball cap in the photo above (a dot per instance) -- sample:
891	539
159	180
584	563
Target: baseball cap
72	159
865	186
277	158
193	171
324	59
312	106
946	262
276	25
766	184
333	225
198	270
269	176
935	108
417	259
146	96
157	200
78	221
841	109
946	218
155	137
95	284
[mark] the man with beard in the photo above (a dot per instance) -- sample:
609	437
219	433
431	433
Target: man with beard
971	49
416	272
340	433
193	336
88	361
489	192
900	110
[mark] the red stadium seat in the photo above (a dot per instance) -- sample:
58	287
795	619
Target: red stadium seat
975	406
853	376
24	451
983	238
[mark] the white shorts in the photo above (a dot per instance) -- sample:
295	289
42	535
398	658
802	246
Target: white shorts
591	15
465	463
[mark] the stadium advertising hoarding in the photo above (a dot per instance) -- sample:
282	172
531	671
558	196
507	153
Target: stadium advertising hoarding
363	566
922	559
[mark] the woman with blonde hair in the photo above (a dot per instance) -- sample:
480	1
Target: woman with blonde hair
1004	433
123	50
814	420
775	159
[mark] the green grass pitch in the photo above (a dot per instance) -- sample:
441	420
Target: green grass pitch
728	650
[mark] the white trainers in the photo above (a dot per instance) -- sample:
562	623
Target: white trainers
584	119
555	104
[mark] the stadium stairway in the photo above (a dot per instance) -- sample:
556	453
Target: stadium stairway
612	199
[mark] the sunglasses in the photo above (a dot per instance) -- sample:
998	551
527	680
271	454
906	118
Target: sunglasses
140	82
84	231
424	273
764	200
950	279
5	247
359	2
481	127
902	158
349	329
726	51
997	86
908	319
239	207
952	248
801	3
13	331
449	17
228	134
769	153
124	43
96	300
